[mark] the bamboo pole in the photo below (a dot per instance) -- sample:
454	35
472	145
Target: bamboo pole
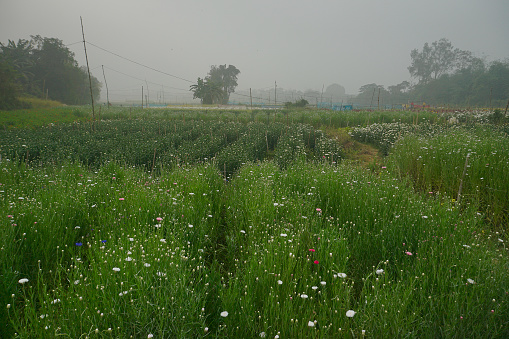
88	68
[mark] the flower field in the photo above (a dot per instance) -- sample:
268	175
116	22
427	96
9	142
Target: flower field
241	225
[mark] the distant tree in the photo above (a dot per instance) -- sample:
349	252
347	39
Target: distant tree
47	66
437	59
399	93
299	103
20	57
207	91
9	89
334	91
226	78
368	95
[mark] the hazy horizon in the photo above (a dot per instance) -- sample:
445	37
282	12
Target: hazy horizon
299	44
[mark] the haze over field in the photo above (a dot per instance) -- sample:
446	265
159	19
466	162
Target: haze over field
300	44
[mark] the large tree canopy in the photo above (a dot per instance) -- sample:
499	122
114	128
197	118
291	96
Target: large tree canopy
45	67
207	91
226	77
217	85
437	59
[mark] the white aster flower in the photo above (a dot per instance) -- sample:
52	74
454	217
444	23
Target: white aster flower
350	313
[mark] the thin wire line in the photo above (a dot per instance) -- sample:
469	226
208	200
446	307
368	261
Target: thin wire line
139	64
143	80
74	43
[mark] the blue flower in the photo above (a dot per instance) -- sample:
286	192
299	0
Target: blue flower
79	244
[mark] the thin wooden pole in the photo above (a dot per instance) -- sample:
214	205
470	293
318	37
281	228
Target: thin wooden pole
107	91
147	101
275	95
88	68
321	95
378	98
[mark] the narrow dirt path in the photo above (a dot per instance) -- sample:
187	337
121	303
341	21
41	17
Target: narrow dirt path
365	155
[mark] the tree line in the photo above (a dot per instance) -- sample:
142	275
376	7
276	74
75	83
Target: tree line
445	76
43	68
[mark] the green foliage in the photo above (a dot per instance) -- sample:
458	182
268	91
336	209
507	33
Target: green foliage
384	135
156	144
284	247
226	78
9	89
217	85
434	60
119	252
497	117
436	163
299	103
207	91
45	67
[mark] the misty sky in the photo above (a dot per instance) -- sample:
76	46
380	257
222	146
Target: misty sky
300	44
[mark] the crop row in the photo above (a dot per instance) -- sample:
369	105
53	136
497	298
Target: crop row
153	144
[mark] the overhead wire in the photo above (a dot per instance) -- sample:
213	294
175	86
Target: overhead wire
144	80
172	75
74	43
138	63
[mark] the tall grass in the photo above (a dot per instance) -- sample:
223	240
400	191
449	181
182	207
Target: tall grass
275	252
436	166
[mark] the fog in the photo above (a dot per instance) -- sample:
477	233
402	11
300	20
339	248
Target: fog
301	45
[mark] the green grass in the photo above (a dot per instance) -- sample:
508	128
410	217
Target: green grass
42	116
282	247
226	247
436	166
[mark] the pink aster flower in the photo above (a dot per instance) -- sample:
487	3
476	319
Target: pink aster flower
408	253
316	262
311	250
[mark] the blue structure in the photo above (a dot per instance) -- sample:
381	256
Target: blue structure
334	106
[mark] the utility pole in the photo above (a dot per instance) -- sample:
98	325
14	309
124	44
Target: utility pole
275	88
321	95
378	98
142	97
107	91
88	68
372	97
147	102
